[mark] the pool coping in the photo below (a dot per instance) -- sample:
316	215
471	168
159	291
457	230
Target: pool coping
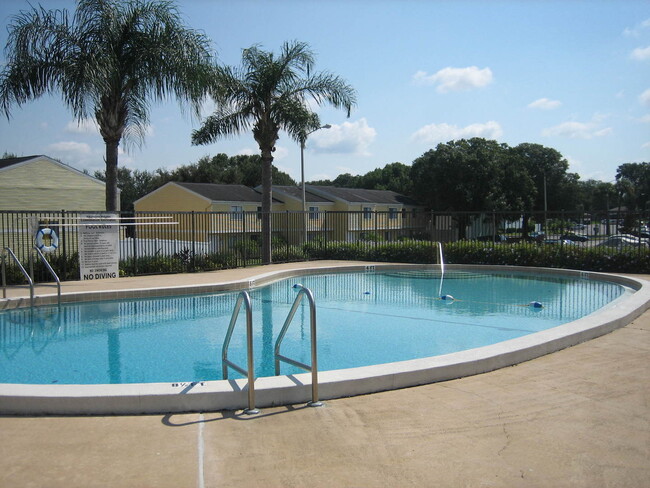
156	398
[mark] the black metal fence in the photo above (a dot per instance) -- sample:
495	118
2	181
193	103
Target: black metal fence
164	242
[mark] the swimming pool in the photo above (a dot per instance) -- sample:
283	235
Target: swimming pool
365	318
365	321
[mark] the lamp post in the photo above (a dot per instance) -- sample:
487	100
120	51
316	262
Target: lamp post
302	178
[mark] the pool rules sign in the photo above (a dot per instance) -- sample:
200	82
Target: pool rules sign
99	252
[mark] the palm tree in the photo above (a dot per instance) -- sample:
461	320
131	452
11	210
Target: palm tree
109	61
269	94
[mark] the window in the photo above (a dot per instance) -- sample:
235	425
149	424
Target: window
392	213
367	212
236	212
259	213
313	213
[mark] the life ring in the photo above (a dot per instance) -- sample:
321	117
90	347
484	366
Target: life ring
54	239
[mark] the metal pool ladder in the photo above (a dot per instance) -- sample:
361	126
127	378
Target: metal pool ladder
314	350
22	270
51	270
245	298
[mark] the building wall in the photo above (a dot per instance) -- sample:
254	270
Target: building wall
45	185
172	198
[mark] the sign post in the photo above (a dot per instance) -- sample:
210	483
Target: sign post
99	252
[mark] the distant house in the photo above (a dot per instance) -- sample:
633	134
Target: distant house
384	214
42	183
223	214
315	221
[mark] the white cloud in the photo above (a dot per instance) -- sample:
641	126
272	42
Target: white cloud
347	138
641	53
646	145
644	98
432	133
636	30
77	154
83	126
578	130
247	151
645	119
71	147
455	79
545	104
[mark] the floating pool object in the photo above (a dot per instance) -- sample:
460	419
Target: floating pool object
535	305
447	297
366	293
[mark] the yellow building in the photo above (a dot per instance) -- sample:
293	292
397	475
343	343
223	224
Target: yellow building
362	213
219	215
42	183
316	220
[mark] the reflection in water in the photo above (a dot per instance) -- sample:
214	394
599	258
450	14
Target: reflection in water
363	318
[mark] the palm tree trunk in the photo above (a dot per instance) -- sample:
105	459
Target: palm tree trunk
267	161
112	198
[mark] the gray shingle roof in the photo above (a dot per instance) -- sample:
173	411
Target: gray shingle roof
224	193
5	163
296	192
360	195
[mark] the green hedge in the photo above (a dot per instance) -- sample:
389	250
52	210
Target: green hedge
629	260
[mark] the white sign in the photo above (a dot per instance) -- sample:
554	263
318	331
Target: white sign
99	253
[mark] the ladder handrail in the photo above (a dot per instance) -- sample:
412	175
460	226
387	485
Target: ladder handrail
51	270
245	298
440	256
314	349
442	267
25	273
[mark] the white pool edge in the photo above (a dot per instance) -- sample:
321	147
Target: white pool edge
156	398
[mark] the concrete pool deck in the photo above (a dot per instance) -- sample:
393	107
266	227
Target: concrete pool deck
577	417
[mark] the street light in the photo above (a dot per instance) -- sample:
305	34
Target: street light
302	178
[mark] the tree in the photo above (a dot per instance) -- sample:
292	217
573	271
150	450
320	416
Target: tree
463	175
269	93
633	182
555	188
108	61
393	176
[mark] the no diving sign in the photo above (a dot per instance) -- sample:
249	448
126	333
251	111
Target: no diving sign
99	252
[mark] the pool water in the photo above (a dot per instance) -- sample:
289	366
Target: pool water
363	319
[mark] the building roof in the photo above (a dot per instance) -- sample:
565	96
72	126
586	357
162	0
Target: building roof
296	192
224	193
361	195
5	163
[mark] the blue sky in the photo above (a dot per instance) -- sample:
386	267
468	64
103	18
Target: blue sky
571	75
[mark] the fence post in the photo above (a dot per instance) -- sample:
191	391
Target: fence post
193	241
135	245
63	251
243	239
287	234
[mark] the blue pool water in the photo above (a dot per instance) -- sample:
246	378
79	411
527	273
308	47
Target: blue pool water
363	319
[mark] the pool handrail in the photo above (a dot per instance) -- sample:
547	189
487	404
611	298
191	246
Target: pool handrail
314	349
245	298
51	270
23	271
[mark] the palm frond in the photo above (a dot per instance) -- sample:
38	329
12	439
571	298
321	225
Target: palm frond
222	123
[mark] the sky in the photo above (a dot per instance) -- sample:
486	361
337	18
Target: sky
571	75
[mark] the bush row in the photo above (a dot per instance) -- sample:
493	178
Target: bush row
629	260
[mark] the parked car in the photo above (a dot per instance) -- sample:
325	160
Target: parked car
559	241
623	240
571	236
